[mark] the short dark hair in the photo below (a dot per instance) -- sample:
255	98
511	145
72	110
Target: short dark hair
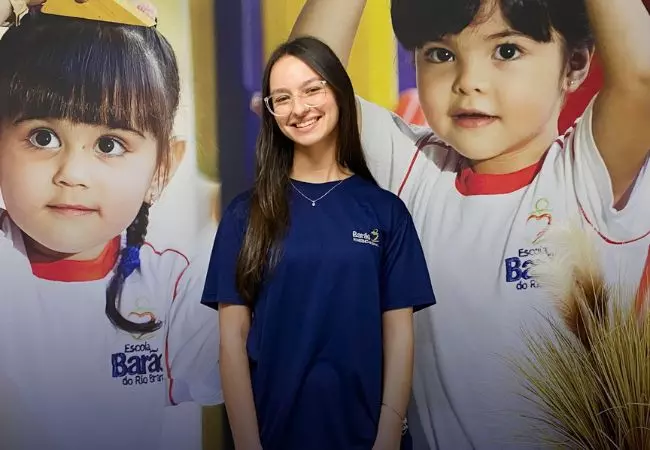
416	22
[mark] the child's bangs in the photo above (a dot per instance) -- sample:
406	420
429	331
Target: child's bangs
417	22
110	81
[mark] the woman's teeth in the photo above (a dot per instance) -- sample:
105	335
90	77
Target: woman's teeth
306	124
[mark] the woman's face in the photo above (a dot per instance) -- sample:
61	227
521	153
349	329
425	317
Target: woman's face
304	106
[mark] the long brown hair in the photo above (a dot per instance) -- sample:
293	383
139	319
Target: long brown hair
269	208
95	73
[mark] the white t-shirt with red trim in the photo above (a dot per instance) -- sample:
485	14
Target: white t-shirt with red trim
69	379
480	234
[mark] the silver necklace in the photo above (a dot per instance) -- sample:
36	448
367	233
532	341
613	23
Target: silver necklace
313	201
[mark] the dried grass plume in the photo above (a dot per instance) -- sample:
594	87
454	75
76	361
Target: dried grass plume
590	375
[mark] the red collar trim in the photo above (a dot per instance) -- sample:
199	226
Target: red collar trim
78	271
470	183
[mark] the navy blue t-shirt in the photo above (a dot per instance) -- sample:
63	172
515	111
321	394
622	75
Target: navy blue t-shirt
315	343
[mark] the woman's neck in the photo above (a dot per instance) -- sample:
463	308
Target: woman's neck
317	164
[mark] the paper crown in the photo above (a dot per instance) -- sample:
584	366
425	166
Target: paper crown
116	11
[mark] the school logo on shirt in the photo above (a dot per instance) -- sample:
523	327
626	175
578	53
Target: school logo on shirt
371	238
517	268
139	362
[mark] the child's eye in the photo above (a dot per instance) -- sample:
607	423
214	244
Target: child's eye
438	55
507	51
110	146
43	138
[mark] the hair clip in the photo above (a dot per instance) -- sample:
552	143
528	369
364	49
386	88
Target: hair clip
114	11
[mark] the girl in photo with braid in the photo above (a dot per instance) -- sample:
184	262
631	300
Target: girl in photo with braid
99	330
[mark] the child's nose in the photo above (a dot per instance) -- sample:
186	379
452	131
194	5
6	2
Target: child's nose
471	77
72	169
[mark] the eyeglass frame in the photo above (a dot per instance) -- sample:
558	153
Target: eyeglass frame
293	100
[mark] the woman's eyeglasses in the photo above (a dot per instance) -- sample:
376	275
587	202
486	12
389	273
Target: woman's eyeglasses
312	96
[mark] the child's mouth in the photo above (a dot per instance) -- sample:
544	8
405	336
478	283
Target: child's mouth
473	119
71	210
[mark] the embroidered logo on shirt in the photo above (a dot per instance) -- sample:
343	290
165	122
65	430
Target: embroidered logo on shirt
371	238
539	219
517	268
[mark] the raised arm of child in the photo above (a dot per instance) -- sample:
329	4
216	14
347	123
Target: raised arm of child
388	142
334	22
622	108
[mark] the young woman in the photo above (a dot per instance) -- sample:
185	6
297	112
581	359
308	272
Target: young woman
317	272
99	330
490	176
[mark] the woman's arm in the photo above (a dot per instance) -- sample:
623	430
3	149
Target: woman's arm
398	373
334	22
234	322
622	108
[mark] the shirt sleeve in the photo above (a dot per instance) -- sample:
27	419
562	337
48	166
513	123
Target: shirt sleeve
389	144
405	276
193	342
220	285
593	187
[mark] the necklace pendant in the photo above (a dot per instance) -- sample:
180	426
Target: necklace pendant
313	203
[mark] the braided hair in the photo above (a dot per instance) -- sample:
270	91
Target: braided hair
96	73
129	262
